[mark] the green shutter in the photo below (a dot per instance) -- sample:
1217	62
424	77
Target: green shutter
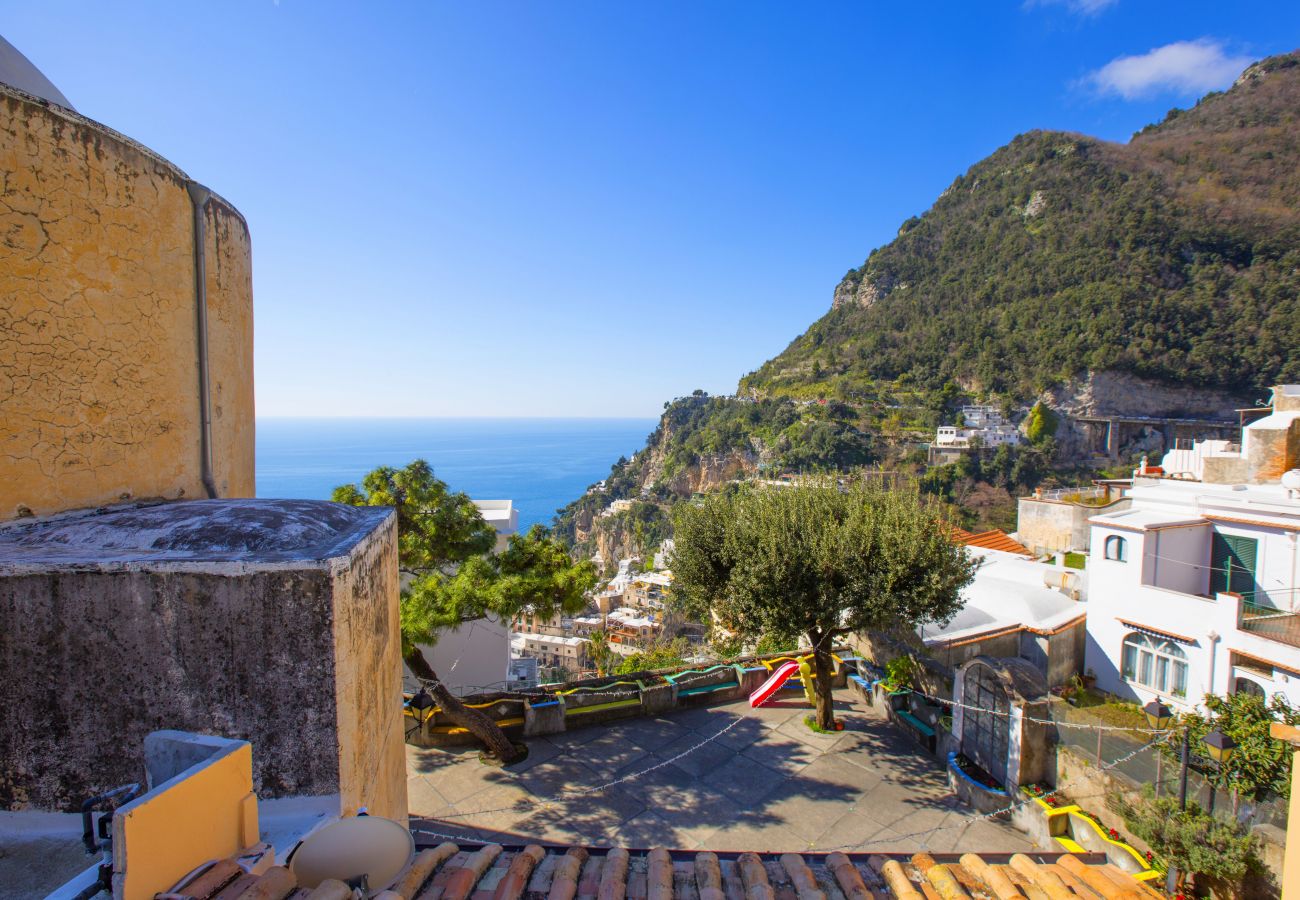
1232	559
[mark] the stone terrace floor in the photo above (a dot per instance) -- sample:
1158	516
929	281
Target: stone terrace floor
767	784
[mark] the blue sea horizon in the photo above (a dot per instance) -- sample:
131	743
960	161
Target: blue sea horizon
539	463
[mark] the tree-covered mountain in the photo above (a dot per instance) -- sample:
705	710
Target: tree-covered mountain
1174	257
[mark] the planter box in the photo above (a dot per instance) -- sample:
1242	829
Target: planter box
984	800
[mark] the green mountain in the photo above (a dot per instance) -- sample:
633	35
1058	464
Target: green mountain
1174	257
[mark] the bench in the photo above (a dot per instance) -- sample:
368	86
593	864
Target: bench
708	688
923	732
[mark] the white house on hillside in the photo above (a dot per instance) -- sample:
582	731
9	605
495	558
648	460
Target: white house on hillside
1193	590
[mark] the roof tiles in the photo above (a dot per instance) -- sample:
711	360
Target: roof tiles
534	872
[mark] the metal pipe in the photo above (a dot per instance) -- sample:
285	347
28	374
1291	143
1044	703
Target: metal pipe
199	196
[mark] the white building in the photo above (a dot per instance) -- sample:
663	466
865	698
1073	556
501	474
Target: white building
1193	590
502	516
1016	607
550	650
476	655
962	437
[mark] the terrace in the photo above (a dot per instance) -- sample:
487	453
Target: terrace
723	777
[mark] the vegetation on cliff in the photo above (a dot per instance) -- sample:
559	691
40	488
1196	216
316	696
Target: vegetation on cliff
1175	257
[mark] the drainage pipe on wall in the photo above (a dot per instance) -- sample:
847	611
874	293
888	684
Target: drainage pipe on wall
199	196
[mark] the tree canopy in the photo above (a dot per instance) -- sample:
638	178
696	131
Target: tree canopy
449	577
819	560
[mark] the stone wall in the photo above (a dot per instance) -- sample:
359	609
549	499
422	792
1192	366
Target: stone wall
1046	526
98	331
273	622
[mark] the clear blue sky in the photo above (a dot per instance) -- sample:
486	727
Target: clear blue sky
587	208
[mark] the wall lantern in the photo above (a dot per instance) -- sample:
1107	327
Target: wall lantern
1158	715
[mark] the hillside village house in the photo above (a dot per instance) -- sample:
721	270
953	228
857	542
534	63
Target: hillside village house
1193	590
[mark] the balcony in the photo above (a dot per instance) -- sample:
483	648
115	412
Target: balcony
1269	622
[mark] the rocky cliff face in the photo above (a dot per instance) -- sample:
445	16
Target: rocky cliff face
1122	394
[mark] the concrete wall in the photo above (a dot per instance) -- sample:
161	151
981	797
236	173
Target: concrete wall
98	346
1177	559
273	622
1046	526
1059	656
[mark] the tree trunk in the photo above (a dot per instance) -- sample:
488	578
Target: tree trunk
478	724
823	665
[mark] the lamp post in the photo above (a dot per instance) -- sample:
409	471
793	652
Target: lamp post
421	705
1220	748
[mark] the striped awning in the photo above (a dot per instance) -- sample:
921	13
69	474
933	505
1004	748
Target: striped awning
1156	632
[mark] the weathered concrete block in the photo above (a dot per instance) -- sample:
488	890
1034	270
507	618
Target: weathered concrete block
274	622
658	698
544	718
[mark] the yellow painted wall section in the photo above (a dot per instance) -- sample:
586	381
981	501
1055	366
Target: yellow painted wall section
208	814
368	679
98	336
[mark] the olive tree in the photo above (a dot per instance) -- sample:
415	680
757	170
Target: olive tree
821	560
449	576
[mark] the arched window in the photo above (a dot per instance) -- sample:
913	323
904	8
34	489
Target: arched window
1156	664
1246	686
1117	548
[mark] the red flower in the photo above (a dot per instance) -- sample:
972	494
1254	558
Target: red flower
1114	833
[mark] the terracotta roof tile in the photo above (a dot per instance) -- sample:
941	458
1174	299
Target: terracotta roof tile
991	540
532	872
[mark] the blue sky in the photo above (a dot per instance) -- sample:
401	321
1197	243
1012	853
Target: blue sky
587	208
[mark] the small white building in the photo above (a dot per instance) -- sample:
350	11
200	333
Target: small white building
1193	590
476	655
1016	607
550	650
503	517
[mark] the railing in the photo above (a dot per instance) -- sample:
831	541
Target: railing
1268	621
1072	495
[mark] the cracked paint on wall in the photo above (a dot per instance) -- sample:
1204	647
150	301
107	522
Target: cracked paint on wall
98	339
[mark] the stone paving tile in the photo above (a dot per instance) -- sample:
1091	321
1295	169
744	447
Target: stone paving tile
611	753
651	734
540	750
556	775
768	783
698	761
781	754
758	838
745	781
651	830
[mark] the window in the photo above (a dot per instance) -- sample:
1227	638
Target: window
1246	686
1232	564
1117	548
1153	663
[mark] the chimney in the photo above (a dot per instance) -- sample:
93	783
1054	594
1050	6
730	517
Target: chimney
1271	445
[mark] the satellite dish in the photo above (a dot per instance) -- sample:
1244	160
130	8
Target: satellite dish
1291	480
375	847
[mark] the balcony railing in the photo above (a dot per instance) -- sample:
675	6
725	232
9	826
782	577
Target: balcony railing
1268	621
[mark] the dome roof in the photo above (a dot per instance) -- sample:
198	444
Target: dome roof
17	71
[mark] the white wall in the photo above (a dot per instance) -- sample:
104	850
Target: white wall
473	656
1177	559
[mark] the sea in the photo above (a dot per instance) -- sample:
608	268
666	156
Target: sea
540	464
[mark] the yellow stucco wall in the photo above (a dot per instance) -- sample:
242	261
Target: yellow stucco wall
368	678
98	339
210	813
